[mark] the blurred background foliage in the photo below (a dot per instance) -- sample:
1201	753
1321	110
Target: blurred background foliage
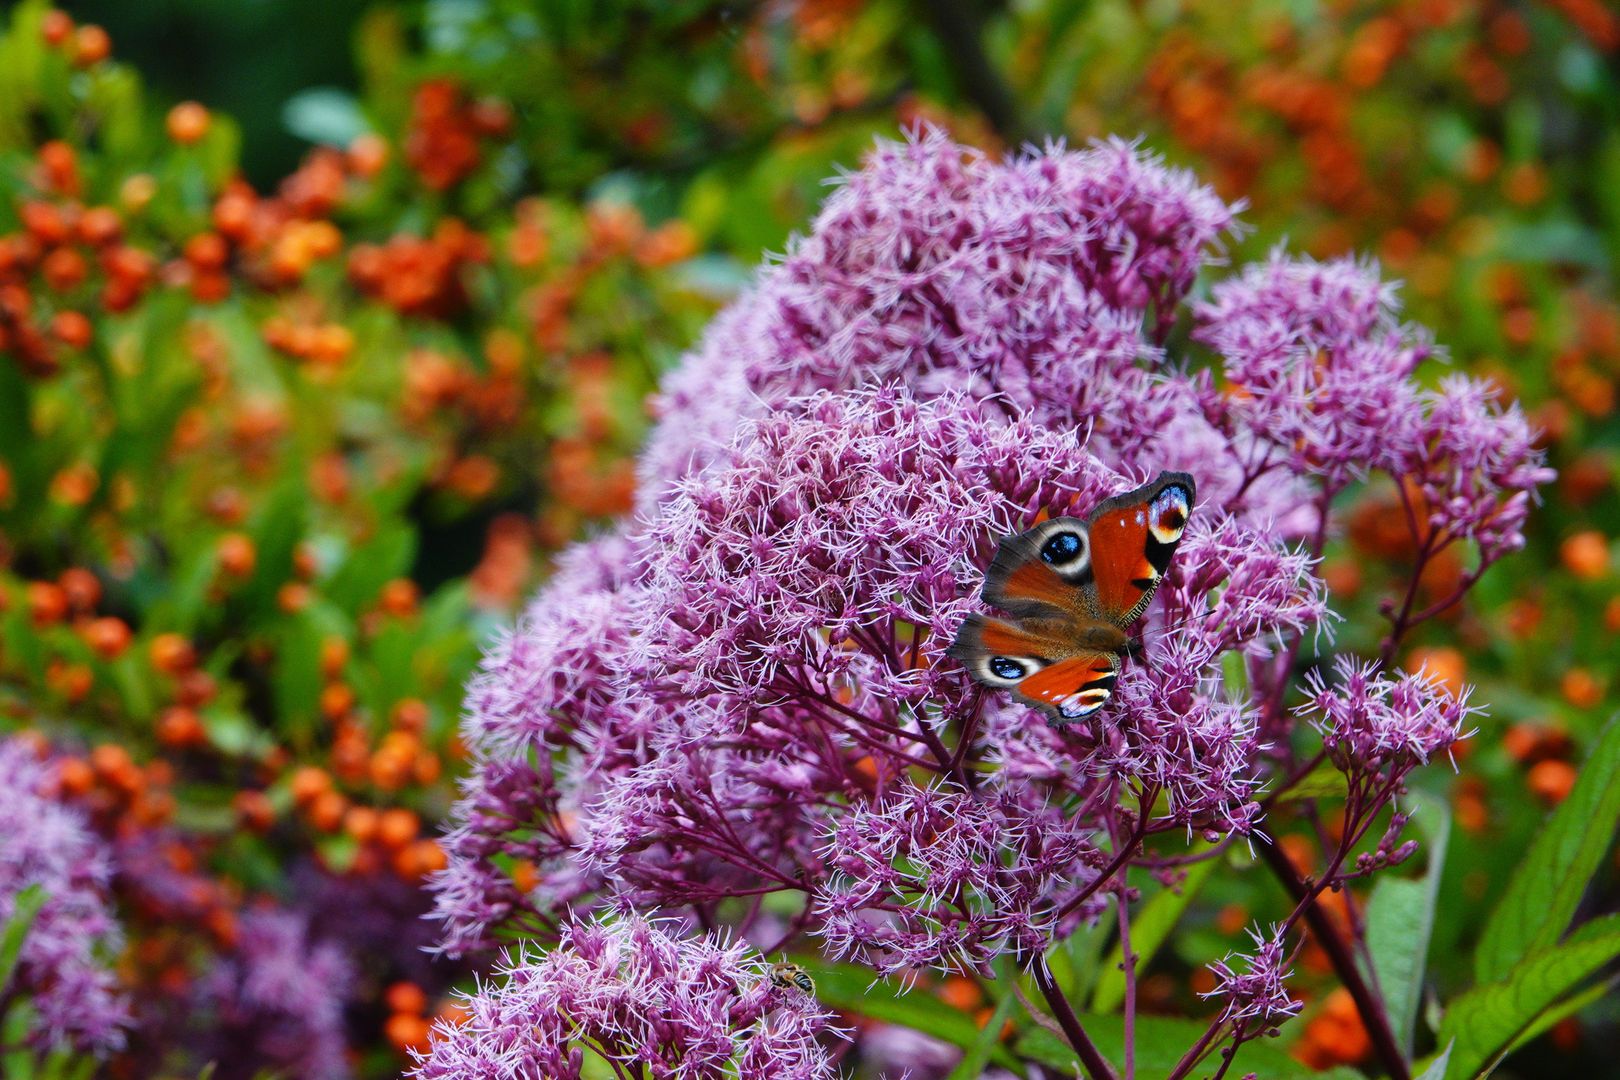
302	383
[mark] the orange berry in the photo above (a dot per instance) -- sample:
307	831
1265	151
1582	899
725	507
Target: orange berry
334	655
56	27
207	251
430	857
1581	688
1442	662
254	810
293	597
236	554
398	827
1520	741
179	727
960	993
91	45
368	154
100	226
74	776
108	636
524	876
74	485
407	1031
47	603
64	269
327	811
197	688
337	700
171	654
1586	554
361	823
406	997
426	768
187	122
411	714
72	328
1551	780
308	783
399	597
111	761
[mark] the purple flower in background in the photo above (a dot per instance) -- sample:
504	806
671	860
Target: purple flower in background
276	1002
62	968
641	996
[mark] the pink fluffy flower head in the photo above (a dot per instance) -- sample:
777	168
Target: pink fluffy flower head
640	996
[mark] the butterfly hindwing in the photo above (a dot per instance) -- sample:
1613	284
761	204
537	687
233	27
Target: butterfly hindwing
1071	689
1041	666
1133	537
1001	654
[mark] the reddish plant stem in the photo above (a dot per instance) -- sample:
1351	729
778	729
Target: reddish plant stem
1343	960
1089	1055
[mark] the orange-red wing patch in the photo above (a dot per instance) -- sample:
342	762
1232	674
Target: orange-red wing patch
1072	688
1036	581
1119	563
1005	639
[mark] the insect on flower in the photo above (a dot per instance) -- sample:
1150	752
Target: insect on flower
1075	587
787	976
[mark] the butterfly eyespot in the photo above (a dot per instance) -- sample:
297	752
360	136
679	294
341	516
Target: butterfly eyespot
1063	547
1004	668
1168	515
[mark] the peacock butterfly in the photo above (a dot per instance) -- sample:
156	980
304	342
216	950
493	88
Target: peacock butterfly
1073	588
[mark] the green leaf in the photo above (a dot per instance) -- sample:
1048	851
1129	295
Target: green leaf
1160	1043
1149	929
1543	893
1400	920
853	989
978	1055
24	911
1487	1020
324	114
1436	1069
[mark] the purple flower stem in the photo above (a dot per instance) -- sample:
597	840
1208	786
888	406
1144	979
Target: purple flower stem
1343	960
1195	1053
1090	1056
1121	857
1129	966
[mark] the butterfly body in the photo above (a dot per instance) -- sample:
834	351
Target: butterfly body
1073	588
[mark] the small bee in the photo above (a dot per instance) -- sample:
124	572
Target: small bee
786	976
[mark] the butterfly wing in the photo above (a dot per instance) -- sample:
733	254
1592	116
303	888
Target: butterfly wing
1042	571
1132	538
1040	662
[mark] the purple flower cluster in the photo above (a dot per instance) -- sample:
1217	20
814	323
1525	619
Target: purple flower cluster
641	997
937	878
1371	719
740	707
1256	998
275	1003
62	969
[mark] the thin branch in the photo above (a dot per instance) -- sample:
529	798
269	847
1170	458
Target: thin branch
1090	1056
1344	963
